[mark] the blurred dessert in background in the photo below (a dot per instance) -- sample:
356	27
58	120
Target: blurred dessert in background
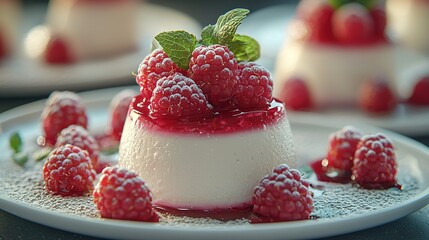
9	14
408	21
77	30
338	55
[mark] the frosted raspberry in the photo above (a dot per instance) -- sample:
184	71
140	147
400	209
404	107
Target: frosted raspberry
57	52
374	165
62	109
376	97
68	171
420	94
153	67
215	70
78	136
317	16
353	24
119	110
296	95
177	96
121	194
342	147
254	88
283	196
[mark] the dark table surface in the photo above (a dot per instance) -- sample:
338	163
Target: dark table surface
413	226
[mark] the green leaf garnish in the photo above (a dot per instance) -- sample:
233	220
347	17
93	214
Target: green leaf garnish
20	158
245	48
178	45
15	142
41	154
339	3
227	25
208	36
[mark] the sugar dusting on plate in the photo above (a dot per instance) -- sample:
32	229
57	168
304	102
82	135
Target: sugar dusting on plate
26	185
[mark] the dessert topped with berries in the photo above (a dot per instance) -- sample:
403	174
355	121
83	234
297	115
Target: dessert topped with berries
205	128
334	48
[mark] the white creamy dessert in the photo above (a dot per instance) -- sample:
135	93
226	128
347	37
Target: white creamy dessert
89	29
335	47
187	170
408	21
9	21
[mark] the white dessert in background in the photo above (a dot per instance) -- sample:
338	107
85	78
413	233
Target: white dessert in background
9	20
408	21
203	171
334	49
88	29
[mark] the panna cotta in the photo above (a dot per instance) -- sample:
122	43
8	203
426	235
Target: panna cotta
77	30
205	128
334	48
408	21
208	164
9	19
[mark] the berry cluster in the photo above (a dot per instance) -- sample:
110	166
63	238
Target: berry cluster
368	160
214	81
343	22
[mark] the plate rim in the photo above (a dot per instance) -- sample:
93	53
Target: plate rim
250	230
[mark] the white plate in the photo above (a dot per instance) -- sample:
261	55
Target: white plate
269	27
310	139
21	76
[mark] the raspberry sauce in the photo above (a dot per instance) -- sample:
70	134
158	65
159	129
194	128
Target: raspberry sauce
220	122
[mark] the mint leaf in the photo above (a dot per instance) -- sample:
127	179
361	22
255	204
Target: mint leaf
245	48
20	158
207	35
339	3
178	45
41	154
15	142
227	25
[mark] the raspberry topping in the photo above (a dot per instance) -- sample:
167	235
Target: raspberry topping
3	48
68	171
254	88
57	52
296	94
420	94
378	14
318	19
342	147
78	136
62	109
153	67
376	97
283	196
353	25
119	109
177	96
374	165
121	194
215	70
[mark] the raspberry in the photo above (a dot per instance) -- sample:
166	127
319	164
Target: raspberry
119	110
420	94
378	15
78	136
318	18
353	24
282	196
342	147
3	47
57	52
215	70
68	171
254	88
177	96
376	97
62	109
296	94
121	194
374	165
153	67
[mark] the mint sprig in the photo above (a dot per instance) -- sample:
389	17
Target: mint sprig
17	145
178	45
369	4
245	48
